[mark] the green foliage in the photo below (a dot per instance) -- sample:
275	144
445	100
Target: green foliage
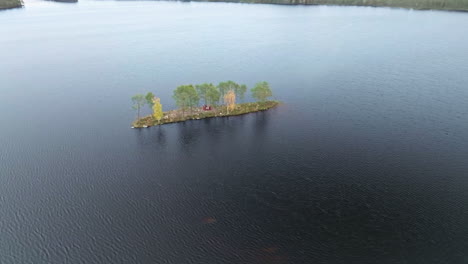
202	90
208	93
138	102
261	91
186	96
149	99
212	95
240	91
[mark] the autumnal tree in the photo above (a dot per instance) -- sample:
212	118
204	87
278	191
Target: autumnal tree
157	109
138	102
186	97
225	87
261	91
230	100
239	89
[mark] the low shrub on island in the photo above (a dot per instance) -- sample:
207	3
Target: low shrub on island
217	101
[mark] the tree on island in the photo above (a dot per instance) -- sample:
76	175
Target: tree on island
261	91
225	87
157	109
186	97
212	95
230	100
240	91
139	101
208	93
149	99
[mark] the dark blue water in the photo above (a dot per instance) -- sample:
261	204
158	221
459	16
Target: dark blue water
366	161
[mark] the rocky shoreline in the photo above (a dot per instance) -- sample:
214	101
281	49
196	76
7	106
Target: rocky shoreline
179	115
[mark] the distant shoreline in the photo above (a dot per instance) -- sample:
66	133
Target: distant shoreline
10	4
442	5
175	116
64	1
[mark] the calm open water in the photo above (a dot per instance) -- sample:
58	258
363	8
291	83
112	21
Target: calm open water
366	162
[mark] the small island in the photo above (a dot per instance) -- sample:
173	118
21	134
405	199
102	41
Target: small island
188	98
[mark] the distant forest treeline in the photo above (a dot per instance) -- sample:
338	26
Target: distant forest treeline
5	4
455	5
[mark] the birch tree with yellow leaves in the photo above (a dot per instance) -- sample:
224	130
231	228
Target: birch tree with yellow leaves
230	100
157	109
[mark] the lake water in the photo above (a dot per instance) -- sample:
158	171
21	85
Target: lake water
365	162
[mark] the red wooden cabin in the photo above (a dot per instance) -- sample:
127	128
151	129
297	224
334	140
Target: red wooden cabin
206	108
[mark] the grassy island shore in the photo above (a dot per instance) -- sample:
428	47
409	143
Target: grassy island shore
178	115
7	4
